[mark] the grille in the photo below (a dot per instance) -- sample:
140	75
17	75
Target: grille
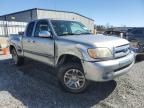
121	51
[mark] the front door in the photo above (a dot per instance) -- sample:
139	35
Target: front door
41	48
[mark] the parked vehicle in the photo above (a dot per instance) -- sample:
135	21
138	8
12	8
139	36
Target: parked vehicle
115	33
136	37
78	56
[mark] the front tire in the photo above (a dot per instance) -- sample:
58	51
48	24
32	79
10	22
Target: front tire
16	59
72	78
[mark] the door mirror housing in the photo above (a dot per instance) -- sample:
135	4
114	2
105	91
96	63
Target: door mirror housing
44	34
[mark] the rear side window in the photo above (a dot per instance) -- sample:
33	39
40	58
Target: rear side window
30	29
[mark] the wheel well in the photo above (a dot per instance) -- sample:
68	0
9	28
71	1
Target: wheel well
68	59
10	48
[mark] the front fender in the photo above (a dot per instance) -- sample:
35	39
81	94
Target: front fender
66	47
74	51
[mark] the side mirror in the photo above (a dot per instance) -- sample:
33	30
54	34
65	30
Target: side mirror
44	34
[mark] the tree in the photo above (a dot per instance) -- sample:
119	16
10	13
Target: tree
99	27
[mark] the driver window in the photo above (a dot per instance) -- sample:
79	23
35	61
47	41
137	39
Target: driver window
41	26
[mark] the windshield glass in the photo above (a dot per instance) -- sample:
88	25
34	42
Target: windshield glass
64	28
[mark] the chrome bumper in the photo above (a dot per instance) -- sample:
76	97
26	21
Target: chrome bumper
108	70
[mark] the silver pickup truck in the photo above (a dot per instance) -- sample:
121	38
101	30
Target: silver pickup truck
77	55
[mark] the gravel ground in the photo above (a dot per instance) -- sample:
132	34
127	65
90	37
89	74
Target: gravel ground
34	85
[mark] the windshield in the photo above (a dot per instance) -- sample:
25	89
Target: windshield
64	28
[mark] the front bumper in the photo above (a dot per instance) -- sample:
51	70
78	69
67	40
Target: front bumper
108	70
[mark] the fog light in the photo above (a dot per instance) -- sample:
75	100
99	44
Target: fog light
108	76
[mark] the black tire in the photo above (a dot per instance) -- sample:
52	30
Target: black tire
17	60
62	72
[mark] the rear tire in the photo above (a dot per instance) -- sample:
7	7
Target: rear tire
17	60
72	78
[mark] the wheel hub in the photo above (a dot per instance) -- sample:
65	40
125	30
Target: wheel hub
74	79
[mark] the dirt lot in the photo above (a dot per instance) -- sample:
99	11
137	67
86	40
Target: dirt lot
34	85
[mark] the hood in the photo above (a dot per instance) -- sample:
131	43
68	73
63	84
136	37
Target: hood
97	40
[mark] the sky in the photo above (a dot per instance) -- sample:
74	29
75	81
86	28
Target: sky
104	12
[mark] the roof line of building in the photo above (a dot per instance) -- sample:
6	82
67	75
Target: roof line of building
46	10
17	12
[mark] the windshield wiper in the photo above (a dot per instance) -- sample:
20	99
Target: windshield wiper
65	34
84	33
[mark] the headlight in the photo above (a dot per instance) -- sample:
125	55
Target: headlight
100	53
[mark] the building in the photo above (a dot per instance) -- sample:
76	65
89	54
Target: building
16	22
